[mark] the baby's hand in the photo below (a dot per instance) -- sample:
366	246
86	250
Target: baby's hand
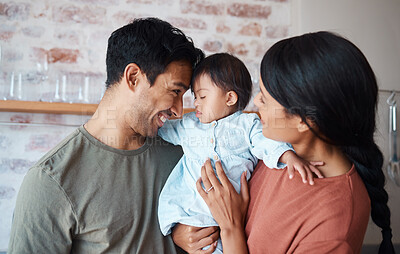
305	168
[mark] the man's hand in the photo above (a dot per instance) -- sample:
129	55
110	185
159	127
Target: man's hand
194	239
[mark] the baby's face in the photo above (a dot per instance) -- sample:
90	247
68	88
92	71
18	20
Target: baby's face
210	100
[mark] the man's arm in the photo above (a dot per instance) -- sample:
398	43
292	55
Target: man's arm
43	221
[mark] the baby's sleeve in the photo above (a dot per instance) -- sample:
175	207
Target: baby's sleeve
264	148
172	131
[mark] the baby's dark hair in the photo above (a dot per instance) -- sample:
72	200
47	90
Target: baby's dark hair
228	73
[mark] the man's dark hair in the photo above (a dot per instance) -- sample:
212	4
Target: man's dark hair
150	43
228	73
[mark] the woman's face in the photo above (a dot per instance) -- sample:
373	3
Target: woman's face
277	123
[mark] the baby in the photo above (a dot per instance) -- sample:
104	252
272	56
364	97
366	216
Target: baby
218	130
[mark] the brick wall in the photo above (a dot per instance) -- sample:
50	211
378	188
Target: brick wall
70	37
53	39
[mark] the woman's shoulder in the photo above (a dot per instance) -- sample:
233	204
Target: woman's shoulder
333	209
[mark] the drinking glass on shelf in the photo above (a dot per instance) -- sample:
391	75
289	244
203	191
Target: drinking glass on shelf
42	69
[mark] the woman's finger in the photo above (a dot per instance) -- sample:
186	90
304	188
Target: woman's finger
201	191
204	177
211	177
244	188
221	174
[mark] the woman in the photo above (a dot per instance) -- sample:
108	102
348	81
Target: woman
319	93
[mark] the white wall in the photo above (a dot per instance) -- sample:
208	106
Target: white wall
374	26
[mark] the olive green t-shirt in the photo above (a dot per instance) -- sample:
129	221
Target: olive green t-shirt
86	197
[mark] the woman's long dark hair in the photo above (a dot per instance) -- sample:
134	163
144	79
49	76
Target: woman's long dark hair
326	79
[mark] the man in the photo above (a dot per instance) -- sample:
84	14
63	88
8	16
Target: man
97	191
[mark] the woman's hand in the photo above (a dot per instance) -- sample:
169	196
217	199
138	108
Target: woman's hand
193	239
228	207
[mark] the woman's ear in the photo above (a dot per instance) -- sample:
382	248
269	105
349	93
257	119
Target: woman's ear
303	126
131	75
231	98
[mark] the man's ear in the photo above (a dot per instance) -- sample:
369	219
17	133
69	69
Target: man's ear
231	98
131	75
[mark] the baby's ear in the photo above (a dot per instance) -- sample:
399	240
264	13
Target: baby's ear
231	98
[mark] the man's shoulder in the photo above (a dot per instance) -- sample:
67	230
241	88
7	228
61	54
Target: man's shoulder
67	145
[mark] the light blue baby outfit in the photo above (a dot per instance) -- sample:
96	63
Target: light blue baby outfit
236	140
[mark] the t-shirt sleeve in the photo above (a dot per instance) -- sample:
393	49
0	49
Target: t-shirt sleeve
329	246
266	149
43	220
172	131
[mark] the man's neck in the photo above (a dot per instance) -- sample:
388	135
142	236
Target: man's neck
109	127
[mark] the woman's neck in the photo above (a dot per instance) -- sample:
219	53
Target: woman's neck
335	162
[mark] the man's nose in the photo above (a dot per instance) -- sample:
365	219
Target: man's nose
177	107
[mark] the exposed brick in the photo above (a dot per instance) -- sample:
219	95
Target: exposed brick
222	28
252	29
42	143
139	1
18	166
71	13
97	2
277	32
6	32
62	55
37	54
152	2
68	37
261	49
188	23
11	55
4	142
33	31
212	46
54	119
239	49
15	11
21	118
124	17
202	7
249	10
7	192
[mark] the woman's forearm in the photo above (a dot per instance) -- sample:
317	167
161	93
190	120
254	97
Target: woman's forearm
234	240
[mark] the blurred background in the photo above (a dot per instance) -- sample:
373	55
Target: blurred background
54	51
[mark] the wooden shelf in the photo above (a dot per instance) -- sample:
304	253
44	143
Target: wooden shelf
53	107
48	107
56	107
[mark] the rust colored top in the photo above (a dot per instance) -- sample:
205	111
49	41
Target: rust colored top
288	216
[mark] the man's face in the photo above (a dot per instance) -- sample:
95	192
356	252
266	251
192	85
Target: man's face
156	103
